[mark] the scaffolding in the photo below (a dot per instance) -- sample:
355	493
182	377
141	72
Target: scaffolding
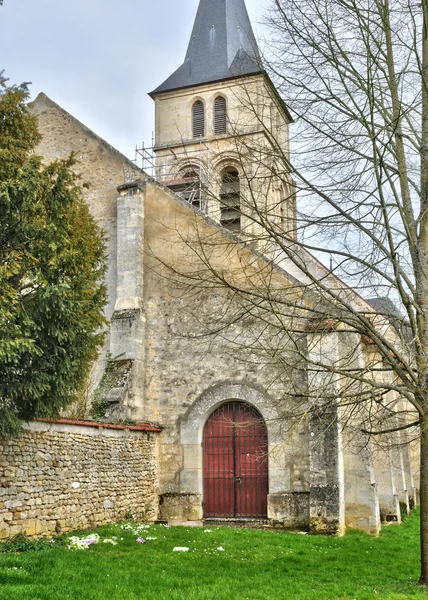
185	171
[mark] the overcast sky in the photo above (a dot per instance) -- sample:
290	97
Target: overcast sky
98	59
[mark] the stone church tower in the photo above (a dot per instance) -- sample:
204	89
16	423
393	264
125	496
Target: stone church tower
214	114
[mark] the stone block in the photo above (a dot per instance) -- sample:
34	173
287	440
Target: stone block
192	456
12	504
29	527
292	509
4	531
15	530
279	480
181	507
325	510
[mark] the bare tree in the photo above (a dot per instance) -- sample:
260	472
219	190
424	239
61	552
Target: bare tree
354	75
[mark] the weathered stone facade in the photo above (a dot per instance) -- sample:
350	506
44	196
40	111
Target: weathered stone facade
232	149
167	370
317	480
59	477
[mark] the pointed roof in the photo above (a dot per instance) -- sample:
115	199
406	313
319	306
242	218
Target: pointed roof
222	46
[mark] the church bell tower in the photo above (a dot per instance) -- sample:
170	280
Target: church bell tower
215	116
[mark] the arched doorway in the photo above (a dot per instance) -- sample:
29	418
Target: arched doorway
235	463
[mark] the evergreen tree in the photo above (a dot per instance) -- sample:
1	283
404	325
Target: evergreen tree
51	273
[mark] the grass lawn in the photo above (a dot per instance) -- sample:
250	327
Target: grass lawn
265	565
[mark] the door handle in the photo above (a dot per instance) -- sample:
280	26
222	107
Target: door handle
237	480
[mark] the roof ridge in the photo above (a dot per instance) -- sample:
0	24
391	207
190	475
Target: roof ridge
42	98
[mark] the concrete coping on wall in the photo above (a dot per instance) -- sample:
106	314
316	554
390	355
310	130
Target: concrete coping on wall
139	184
147	427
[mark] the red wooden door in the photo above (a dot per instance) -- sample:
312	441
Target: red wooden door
235	463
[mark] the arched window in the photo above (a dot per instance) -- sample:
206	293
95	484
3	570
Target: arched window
220	115
230	200
198	119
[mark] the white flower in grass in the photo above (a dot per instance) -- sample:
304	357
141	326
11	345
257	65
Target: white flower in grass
180	549
151	538
207	530
77	543
135	528
220	548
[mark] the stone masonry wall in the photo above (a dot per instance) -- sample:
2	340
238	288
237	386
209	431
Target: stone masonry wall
61	477
183	368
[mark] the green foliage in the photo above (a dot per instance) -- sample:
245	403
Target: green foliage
18	129
99	409
21	543
51	269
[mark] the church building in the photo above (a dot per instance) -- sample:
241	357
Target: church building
231	445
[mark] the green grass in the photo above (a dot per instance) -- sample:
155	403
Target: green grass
265	565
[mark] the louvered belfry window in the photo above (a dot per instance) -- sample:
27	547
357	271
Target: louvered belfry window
230	200
198	118
220	115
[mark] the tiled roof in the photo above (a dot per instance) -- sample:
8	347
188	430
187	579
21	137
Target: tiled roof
120	426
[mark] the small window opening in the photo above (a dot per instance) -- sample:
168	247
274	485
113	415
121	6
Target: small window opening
220	115
198	119
230	200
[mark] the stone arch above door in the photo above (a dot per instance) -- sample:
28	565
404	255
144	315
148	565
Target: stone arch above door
192	426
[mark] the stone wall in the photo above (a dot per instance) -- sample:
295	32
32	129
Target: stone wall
59	477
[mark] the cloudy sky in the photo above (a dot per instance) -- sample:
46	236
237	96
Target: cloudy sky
99	58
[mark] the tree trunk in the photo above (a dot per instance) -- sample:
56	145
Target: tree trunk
424	501
422	274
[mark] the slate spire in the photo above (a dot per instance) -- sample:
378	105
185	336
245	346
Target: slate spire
222	46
